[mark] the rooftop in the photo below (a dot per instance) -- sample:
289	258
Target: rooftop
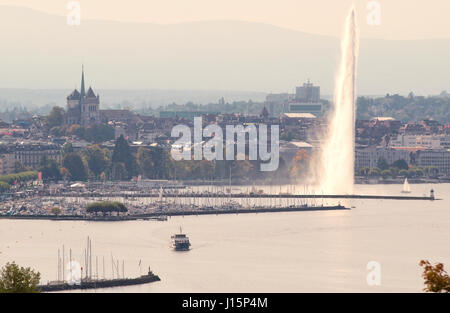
299	115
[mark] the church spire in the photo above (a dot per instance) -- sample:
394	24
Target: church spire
82	91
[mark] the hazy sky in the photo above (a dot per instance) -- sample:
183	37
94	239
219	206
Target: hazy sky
400	19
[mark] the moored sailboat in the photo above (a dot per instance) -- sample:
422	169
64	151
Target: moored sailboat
406	188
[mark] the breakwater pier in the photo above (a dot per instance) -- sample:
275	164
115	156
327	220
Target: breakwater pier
175	212
243	195
103	283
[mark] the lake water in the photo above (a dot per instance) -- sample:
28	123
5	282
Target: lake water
274	252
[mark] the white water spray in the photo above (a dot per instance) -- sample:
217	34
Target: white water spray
336	168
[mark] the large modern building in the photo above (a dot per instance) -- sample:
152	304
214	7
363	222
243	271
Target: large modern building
83	108
441	141
307	100
439	158
369	156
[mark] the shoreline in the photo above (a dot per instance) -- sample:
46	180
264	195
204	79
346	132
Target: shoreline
155	216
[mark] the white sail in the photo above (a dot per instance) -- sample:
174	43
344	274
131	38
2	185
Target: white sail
406	188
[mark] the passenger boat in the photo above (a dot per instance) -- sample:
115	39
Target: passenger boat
180	242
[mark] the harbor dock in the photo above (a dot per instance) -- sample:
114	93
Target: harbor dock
104	283
157	215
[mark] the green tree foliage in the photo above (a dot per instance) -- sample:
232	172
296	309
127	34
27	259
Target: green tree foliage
364	171
122	154
145	162
106	207
119	172
382	164
435	277
15	279
160	162
98	133
95	133
97	159
19	177
411	108
403	173
74	164
66	149
57	131
50	169
55	211
400	164
386	173
4	186
75	130
56	117
374	172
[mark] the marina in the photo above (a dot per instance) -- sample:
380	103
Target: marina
73	276
158	217
160	203
251	249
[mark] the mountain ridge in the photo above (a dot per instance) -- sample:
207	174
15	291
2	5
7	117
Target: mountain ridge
219	55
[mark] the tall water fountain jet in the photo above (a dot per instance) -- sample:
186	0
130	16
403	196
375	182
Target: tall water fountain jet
336	168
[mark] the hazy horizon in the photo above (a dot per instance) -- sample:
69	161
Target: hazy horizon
399	19
41	52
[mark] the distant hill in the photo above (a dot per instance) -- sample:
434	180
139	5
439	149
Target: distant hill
39	50
113	98
406	109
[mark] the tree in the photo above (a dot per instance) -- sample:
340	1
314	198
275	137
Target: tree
15	279
435	277
374	172
75	130
119	172
65	174
57	131
74	164
4	186
99	133
55	211
382	164
96	159
122	154
106	207
50	169
66	149
400	164
386	173
145	162
56	117
403	173
300	163
364	171
433	171
394	171
162	164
